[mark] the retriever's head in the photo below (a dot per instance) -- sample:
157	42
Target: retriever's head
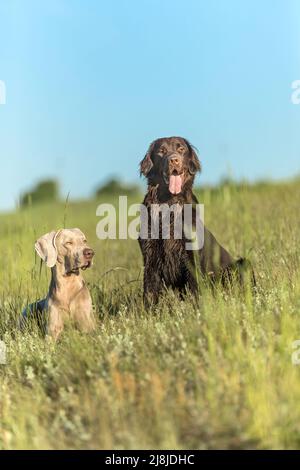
171	162
67	248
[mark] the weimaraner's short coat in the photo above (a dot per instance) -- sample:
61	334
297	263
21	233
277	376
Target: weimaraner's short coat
66	252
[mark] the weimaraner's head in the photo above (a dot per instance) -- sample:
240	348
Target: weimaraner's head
66	247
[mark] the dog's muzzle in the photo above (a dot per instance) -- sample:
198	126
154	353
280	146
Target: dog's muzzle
88	255
175	173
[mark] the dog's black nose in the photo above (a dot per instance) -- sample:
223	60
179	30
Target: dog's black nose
175	160
88	253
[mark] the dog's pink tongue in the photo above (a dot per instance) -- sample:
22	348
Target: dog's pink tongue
175	184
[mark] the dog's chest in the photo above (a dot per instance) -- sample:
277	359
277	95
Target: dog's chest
168	258
174	255
164	247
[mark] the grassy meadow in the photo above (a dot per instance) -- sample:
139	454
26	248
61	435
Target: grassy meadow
213	374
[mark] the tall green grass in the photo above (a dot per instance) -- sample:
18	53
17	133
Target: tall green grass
210	374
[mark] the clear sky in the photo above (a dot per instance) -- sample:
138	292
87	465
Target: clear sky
90	83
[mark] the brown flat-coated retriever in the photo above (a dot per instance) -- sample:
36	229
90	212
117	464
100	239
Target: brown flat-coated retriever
170	166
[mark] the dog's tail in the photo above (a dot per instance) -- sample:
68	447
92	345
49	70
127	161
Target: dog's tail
246	272
242	271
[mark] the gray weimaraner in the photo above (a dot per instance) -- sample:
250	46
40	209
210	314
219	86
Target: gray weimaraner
66	252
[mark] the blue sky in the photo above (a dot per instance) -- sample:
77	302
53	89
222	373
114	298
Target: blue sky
90	83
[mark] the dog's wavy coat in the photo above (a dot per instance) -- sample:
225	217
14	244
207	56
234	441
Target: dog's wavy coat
170	166
66	252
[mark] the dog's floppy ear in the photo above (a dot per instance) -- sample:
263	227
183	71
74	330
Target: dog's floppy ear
194	163
46	248
146	164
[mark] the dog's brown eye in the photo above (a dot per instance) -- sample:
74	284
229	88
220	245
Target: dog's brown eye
163	150
180	149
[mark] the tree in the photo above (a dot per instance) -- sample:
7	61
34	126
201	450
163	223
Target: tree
47	190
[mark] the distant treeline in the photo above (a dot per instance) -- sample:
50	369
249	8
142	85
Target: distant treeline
115	187
48	190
